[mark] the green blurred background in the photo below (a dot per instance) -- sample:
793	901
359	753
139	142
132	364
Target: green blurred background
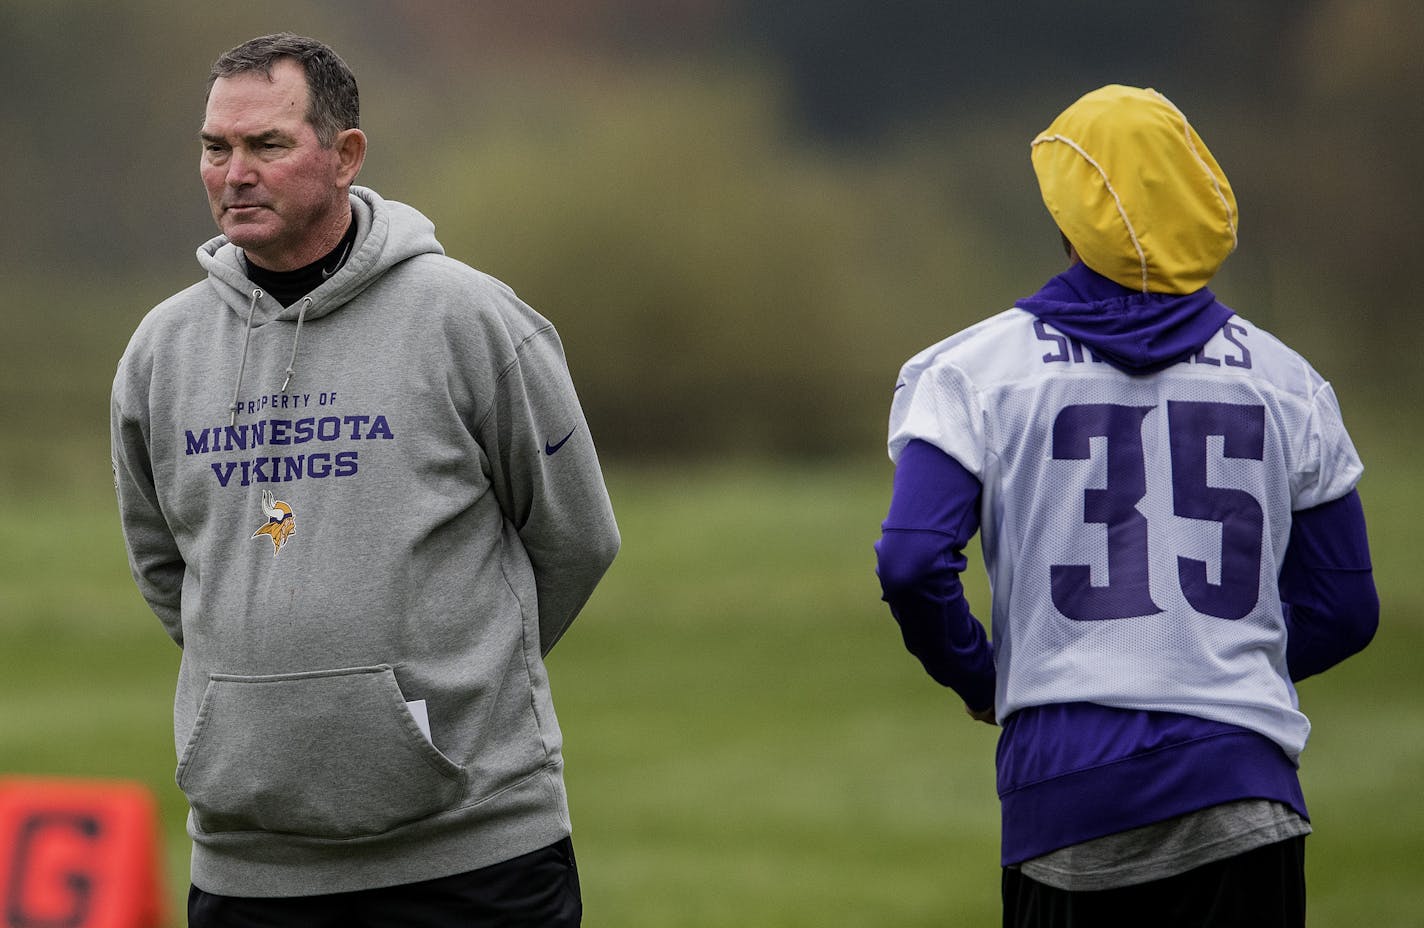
742	217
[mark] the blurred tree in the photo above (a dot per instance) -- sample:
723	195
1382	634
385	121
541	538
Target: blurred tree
720	286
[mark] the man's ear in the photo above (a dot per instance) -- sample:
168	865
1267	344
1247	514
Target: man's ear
350	148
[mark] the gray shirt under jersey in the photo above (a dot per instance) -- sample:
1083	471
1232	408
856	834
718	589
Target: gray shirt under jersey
1165	849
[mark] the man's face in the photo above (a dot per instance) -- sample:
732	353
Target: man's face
274	190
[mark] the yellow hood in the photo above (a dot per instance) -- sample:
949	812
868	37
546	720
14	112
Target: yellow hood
1134	188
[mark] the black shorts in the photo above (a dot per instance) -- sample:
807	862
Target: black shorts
536	890
1264	888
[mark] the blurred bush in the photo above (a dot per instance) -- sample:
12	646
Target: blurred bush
719	285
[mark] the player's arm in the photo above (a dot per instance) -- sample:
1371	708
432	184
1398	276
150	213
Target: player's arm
1327	587
934	512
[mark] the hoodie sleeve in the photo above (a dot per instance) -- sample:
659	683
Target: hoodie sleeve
154	558
548	481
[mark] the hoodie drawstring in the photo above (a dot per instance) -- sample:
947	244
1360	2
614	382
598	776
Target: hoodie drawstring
242	364
292	364
247	339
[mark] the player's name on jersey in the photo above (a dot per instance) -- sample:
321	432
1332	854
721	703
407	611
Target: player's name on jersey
1228	350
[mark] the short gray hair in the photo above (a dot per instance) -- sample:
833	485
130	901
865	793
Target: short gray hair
333	104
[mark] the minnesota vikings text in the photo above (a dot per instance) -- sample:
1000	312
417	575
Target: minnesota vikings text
282	468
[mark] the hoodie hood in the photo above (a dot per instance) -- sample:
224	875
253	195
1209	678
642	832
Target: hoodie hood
1133	331
1134	188
387	233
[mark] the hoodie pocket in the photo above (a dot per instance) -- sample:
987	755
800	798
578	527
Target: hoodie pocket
329	754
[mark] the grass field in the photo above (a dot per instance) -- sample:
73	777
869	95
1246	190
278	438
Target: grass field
747	743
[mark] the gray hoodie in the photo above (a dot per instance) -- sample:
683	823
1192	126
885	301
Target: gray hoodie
365	518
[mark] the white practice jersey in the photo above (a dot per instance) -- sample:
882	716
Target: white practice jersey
1133	526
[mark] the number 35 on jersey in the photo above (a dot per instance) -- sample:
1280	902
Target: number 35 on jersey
1104	443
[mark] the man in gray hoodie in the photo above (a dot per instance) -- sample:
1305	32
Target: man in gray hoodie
359	492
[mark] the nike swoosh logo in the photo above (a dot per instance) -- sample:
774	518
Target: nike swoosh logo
550	449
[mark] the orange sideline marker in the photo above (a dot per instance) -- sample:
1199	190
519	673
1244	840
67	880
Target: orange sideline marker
78	854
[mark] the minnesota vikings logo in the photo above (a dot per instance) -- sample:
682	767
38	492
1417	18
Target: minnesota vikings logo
280	524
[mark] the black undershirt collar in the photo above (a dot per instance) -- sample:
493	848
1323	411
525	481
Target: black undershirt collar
286	287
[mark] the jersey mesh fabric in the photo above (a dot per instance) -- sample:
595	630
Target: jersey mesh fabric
1133	526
